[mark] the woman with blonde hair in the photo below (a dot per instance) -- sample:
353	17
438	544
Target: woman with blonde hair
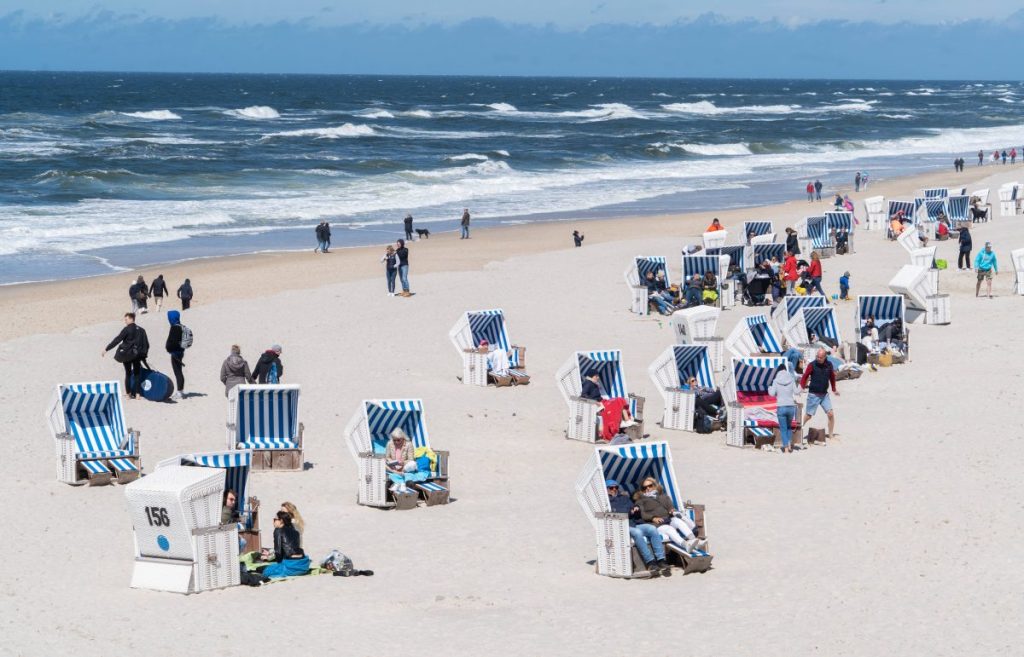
657	509
297	520
400	459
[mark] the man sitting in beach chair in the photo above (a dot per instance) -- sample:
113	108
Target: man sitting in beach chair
615	415
658	292
693	295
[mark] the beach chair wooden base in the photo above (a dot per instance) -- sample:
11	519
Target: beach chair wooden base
678	410
500	381
583	420
264	460
690	563
86	476
407	500
639	303
519	377
434	492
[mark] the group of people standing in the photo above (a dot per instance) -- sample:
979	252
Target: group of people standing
814	191
997	155
140	293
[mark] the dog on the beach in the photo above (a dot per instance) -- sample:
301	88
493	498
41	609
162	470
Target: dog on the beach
424	233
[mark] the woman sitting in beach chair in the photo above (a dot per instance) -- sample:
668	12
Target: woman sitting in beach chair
658	292
710	284
657	509
400	460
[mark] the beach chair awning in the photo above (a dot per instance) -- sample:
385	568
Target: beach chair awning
268	416
764	252
737	255
821	322
94	417
757	228
762	333
693	360
837	220
755	374
883	307
608	366
958	207
700	265
385	415
652	264
631	464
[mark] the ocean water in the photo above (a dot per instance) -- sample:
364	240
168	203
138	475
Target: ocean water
104	171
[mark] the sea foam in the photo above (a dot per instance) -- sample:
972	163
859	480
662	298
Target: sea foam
154	115
254	112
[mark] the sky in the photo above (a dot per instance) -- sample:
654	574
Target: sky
869	39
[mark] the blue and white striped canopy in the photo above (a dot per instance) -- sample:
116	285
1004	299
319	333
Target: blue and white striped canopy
767	252
236	464
934	208
268	416
630	464
817	231
937	192
652	264
762	333
699	265
385	415
793	304
837	220
883	307
93	415
821	322
758	228
737	254
608	366
693	360
909	208
755	374
490	325
957	207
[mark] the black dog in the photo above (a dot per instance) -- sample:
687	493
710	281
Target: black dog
423	233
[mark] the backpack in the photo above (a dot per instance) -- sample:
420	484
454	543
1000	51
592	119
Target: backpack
701	422
186	337
272	374
337	562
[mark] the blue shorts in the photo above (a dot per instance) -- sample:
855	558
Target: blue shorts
814	401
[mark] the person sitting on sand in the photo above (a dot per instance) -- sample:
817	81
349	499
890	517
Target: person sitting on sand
715	225
710	286
645	536
400	458
656	508
289	559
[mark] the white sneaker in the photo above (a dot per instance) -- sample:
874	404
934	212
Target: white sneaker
691	544
702	544
177	395
393	488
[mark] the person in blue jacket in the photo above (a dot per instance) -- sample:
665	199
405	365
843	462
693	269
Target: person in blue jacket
986	266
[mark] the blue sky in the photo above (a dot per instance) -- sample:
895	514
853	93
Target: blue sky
904	39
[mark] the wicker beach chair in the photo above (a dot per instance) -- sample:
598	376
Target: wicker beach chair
474	328
908	208
719	266
762	252
1017	257
874	213
758	228
820	321
884	308
635	275
629	465
714	238
367	435
88	427
753	336
670	371
819	237
1010	199
789	305
841	219
699	326
265	419
750	407
914	283
584	419
935	193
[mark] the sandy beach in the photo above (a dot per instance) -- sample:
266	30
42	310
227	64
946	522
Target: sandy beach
899	537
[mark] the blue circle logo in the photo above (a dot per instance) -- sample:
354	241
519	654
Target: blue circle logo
163	543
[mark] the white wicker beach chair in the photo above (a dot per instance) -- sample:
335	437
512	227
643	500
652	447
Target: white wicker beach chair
93	444
753	336
819	321
914	283
715	238
671	370
767	251
835	221
472	329
719	265
874	213
635	275
699	325
1017	257
584	422
629	465
739	256
180	545
1010	199
759	228
746	387
883	308
265	419
367	435
819	237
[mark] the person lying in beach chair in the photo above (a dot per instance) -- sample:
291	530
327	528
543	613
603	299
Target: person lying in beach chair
615	413
658	292
693	294
646	538
707	403
657	508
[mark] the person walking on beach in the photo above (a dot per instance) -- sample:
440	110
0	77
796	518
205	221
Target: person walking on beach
1013	156
179	338
986	266
817	189
1004	156
235	370
856	182
864	181
814	273
403	266
327	237
408	226
577	238
157	290
185	294
810	192
319	238
817	379
132	348
790	272
465	224
390	261
139	293
269	368
963	260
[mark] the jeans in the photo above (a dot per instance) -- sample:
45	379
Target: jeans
392	274
647	538
664	307
816	285
403	273
844	292
786	416
465	232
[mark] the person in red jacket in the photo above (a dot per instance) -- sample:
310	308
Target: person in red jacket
814	273
817	379
789	272
810	192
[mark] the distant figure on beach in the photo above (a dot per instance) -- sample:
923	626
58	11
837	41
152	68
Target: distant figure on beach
403	266
327	237
390	260
577	238
185	294
235	370
715	225
844	286
856	182
1013	156
139	293
176	345
810	192
863	180
320	246
132	348
838	201
817	379
981	158
157	290
792	241
408	226
269	368
985	266
465	224
1004	156
817	189
995	157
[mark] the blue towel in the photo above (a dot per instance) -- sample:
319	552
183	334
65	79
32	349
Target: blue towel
287	568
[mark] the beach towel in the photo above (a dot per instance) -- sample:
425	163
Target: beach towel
287	568
430	456
611	416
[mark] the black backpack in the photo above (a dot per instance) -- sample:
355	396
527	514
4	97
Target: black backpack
701	422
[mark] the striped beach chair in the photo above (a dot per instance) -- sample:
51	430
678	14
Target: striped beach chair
750	407
670	371
958	208
629	465
265	419
883	308
808	322
584	422
790	305
753	336
841	220
367	435
935	193
909	210
470	331
719	266
635	275
180	544
820	237
764	252
93	443
739	255
753	229
699	325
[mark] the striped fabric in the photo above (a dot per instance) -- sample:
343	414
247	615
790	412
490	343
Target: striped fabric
821	322
693	360
932	209
883	307
652	264
93	416
767	252
123	465
385	415
761	432
908	207
755	374
431	486
958	207
757	228
817	231
108	454
936	193
737	255
268	417
763	334
631	464
236	464
791	305
837	220
608	366
699	265
95	467
490	325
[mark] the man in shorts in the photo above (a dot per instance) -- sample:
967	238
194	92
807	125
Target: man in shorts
817	379
985	264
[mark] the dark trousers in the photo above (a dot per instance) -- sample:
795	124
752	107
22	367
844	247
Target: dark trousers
408	234
185	303
133	376
964	259
179	376
709	404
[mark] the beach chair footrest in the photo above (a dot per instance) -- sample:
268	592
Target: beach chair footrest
433	492
407	500
277	459
697	562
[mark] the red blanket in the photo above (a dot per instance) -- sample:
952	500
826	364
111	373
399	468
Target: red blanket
611	416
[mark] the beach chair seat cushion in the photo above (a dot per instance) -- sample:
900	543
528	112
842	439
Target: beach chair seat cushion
95	467
268	443
519	377
123	465
106	454
433	492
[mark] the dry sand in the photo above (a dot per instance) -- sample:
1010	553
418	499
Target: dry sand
902	537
